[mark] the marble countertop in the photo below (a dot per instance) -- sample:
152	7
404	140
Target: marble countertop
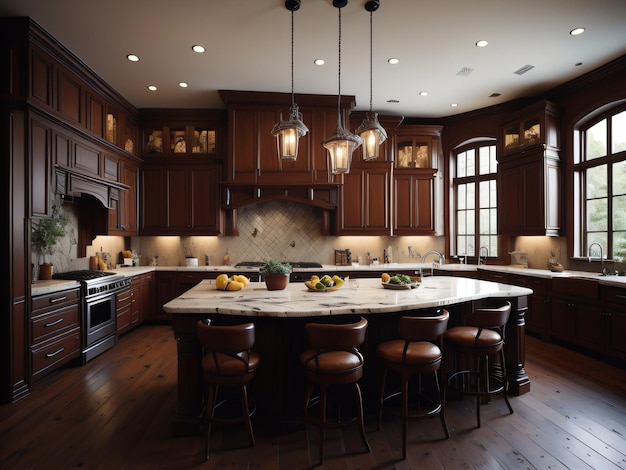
356	296
51	286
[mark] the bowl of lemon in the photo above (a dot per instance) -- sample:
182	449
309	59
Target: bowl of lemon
399	281
325	283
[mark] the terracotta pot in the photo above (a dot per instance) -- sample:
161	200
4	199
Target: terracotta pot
45	272
276	281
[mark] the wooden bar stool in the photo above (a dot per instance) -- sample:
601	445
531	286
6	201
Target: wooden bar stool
333	360
415	353
228	362
480	339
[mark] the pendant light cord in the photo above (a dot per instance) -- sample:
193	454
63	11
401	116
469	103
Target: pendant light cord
339	76
371	66
293	101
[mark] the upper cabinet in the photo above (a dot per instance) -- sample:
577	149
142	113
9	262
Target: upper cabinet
179	181
537	125
529	173
252	149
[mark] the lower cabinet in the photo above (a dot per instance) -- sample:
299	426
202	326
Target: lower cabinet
135	303
54	331
122	308
615	321
538	314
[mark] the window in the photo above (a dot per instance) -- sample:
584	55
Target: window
601	180
475	201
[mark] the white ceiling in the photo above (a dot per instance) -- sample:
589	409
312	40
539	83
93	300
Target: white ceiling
249	48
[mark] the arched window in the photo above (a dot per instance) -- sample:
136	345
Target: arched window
600	176
475	208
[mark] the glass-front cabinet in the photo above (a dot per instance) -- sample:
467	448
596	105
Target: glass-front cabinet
539	125
414	152
180	140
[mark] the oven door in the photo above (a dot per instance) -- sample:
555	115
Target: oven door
100	319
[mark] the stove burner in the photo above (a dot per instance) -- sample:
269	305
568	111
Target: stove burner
81	275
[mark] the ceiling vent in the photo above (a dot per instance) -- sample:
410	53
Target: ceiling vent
465	71
524	69
494	95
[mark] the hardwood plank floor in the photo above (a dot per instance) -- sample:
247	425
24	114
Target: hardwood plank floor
115	413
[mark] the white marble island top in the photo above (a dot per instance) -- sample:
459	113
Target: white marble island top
356	296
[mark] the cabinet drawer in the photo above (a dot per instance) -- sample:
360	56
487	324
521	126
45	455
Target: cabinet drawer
124	299
614	295
576	287
45	303
54	323
54	353
537	284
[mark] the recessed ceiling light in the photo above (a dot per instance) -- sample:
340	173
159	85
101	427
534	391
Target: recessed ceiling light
393	61
198	48
423	93
183	85
133	57
577	31
481	43
453	105
152	88
319	62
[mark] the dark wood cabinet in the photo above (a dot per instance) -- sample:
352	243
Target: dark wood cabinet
166	289
252	150
40	167
54	331
134	304
365	200
123	307
123	214
413	202
615	318
180	199
538	315
529	175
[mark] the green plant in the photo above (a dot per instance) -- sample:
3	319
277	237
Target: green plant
46	232
275	267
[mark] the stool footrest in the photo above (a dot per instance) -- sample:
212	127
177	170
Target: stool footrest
471	382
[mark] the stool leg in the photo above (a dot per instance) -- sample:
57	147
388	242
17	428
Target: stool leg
442	408
323	391
383	382
505	382
359	404
246	410
210	409
405	412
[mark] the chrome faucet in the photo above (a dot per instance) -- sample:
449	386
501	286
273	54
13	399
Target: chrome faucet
433	252
480	252
601	255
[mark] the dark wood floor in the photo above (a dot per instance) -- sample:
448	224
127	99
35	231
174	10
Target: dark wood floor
115	413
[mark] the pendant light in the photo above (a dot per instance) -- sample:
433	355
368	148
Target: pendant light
288	132
370	130
341	145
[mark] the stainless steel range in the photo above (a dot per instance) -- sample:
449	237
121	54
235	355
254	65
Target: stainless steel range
98	308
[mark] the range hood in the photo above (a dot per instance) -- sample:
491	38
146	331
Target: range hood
71	183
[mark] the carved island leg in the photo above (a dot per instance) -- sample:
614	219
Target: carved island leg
515	347
188	419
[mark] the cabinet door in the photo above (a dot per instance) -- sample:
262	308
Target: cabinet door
40	169
166	290
589	330
413	204
365	202
562	318
152	200
243	161
178	200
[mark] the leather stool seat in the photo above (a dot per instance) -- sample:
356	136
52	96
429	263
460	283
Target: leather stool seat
333	359
228	361
417	352
481	339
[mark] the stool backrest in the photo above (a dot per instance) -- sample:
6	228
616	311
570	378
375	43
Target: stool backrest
235	338
423	328
490	318
336	336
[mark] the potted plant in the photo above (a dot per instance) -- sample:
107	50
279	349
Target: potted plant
276	274
45	234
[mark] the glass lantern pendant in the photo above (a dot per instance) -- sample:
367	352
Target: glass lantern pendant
288	132
341	145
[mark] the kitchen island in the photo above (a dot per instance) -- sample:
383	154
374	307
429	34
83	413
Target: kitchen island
279	318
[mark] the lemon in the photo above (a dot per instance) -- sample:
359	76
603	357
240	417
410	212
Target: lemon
234	285
338	281
241	278
221	281
385	277
315	279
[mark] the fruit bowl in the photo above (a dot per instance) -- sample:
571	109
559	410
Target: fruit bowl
411	285
325	283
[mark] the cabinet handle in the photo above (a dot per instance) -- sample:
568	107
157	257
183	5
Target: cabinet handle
49	355
56	322
58	299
